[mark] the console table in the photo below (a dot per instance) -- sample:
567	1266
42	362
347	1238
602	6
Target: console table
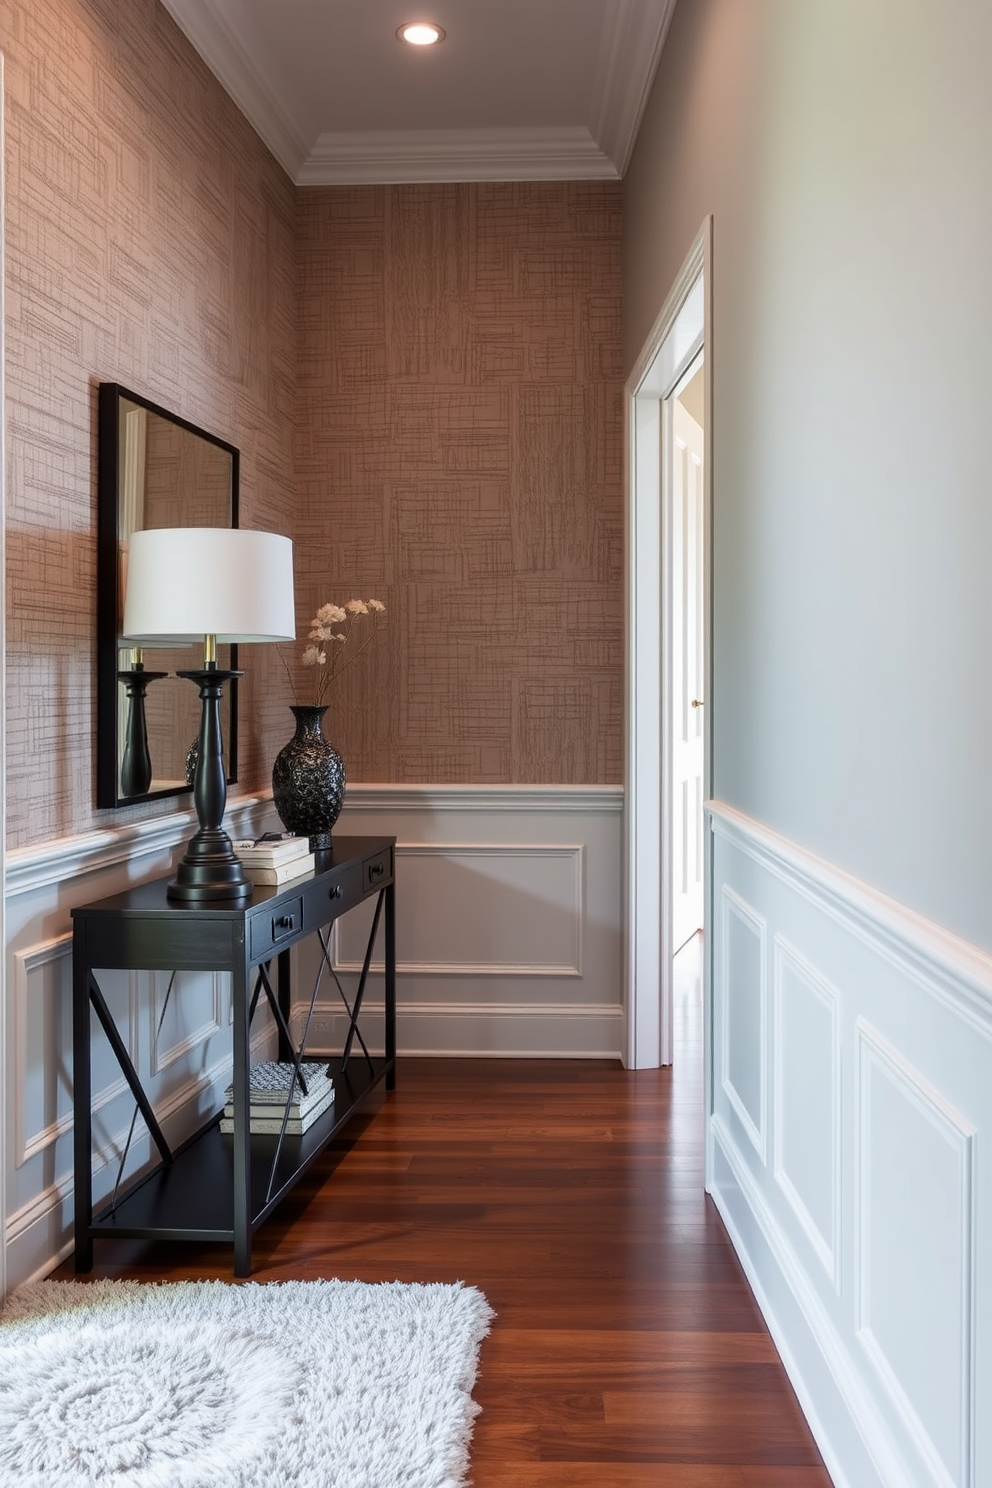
214	1187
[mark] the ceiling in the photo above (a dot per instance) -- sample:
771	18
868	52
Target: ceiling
520	90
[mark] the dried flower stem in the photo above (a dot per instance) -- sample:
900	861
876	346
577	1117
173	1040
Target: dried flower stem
328	645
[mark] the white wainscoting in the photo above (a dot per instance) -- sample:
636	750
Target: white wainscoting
847	1157
508	942
508	922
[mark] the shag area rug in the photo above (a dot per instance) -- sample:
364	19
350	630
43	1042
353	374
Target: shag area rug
319	1384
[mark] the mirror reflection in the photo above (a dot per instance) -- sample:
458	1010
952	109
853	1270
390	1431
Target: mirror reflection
155	470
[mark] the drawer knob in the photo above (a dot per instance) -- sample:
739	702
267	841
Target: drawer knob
334	891
285	922
376	870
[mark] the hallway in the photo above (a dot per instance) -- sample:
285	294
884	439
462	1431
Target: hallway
627	1349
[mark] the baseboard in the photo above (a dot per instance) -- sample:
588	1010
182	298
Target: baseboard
466	1031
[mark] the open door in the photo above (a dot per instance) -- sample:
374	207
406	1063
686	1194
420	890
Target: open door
687	550
666	850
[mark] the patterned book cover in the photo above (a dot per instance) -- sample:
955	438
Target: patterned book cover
271	1078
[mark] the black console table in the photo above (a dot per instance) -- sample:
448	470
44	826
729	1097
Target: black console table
214	1187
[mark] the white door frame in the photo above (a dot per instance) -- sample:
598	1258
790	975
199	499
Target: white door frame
678	334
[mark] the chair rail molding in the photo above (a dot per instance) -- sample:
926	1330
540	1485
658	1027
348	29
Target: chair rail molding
583	798
48	864
951	968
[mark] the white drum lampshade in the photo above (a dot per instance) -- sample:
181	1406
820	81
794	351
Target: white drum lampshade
185	583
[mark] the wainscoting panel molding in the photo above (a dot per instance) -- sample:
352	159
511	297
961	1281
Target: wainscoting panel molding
190	1016
860	1238
806	1101
509	910
41	1086
509	927
744	1016
909	1229
41	988
508	921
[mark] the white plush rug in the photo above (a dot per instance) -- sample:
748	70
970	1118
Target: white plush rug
320	1384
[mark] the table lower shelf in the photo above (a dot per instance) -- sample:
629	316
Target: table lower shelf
193	1198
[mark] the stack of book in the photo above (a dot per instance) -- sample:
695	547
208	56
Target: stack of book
270	1082
275	861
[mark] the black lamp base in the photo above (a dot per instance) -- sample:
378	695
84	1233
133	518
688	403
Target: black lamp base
211	871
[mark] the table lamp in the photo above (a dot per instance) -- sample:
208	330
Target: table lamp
215	584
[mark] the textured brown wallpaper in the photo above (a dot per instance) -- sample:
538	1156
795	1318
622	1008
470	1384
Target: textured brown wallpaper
459	457
457	425
149	242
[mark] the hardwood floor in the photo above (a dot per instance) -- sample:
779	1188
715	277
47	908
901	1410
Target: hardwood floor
627	1349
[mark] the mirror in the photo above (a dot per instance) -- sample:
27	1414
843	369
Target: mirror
154	470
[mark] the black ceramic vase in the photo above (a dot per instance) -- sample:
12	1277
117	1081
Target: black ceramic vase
308	780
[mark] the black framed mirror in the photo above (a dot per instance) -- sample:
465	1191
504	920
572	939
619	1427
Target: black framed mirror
155	469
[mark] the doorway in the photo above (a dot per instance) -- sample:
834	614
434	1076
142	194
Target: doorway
668	581
684	462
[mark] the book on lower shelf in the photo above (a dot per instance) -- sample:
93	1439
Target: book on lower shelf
267	1119
298	1108
270	1081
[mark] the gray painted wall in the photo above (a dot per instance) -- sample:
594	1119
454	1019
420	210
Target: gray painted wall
844	148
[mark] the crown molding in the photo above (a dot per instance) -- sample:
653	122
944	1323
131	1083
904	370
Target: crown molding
633	39
381	157
633	36
215	37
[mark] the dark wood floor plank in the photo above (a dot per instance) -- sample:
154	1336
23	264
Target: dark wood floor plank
533	1354
627	1351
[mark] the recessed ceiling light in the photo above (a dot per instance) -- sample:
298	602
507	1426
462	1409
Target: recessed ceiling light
420	33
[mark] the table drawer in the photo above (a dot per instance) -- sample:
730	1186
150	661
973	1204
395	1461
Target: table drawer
377	871
272	926
326	901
